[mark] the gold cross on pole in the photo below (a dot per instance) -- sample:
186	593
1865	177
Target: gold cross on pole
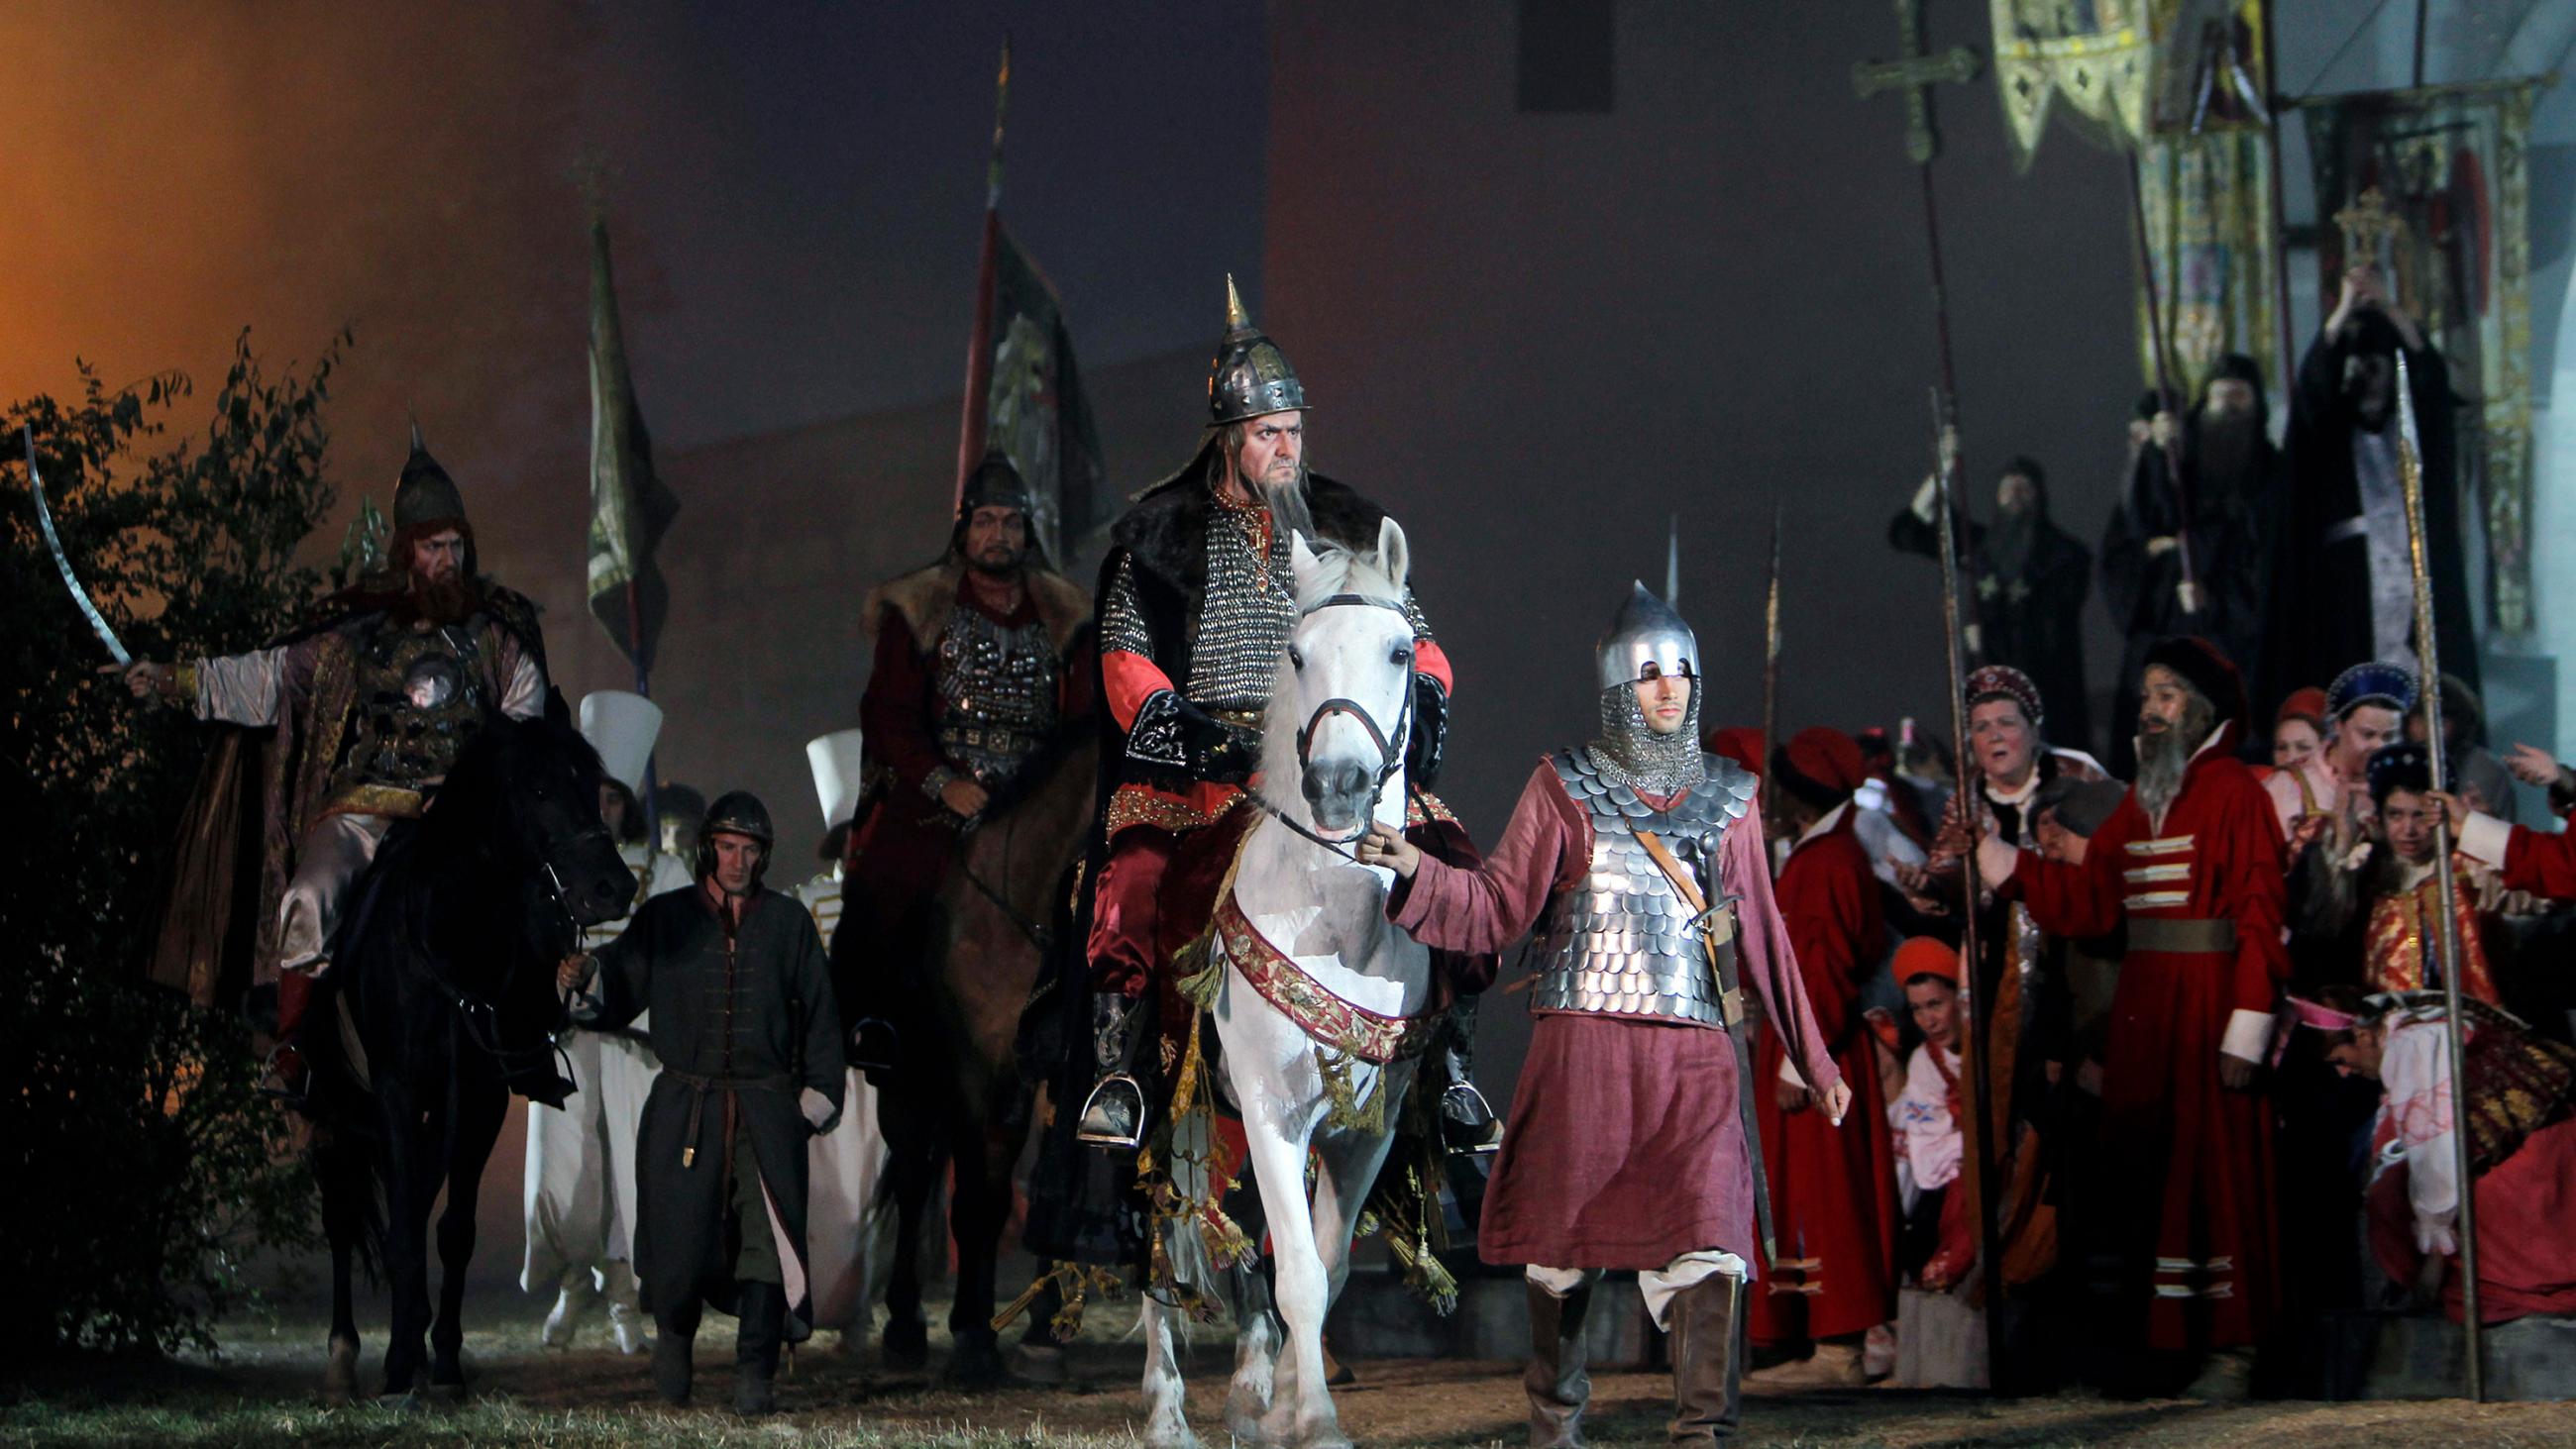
1916	74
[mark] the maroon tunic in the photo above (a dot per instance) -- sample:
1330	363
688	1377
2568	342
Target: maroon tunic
1624	1147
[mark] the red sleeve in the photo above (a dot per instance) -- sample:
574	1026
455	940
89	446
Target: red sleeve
2079	900
895	710
2541	863
1456	909
1127	680
2251	894
1429	658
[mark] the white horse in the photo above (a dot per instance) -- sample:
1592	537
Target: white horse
1306	918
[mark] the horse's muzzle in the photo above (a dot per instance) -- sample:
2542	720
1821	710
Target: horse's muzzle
1337	793
599	888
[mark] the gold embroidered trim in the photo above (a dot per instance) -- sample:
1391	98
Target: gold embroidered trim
2154	900
390	800
2162	845
2142	875
1137	805
1339	1025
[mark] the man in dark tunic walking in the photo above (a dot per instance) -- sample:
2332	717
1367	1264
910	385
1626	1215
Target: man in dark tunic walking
750	1043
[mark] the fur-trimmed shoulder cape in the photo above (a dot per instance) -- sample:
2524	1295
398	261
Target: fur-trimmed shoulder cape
1166	532
925	597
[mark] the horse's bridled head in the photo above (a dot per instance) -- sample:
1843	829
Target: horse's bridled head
565	838
1352	688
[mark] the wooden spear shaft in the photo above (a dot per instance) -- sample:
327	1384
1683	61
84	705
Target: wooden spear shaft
1972	1046
2410	474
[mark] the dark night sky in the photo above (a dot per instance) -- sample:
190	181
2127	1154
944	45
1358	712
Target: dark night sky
796	193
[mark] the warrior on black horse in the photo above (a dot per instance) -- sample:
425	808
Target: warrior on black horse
421	686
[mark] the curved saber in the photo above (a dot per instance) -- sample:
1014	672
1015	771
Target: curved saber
63	563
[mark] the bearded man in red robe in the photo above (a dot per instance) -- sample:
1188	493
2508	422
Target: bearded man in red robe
2190	861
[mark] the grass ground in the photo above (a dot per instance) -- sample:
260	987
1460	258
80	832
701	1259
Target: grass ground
260	1390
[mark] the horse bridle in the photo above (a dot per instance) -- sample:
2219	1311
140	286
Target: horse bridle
481	1015
1390	747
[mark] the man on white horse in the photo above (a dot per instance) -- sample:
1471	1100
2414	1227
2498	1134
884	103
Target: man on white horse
1629	1143
1196	605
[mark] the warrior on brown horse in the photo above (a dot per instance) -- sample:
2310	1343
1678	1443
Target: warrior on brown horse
980	771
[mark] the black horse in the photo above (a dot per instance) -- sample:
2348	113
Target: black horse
441	1000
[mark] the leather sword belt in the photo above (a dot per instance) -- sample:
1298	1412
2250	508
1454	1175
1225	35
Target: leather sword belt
699	1087
2182	934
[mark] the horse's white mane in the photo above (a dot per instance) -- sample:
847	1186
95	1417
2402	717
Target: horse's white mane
1343	570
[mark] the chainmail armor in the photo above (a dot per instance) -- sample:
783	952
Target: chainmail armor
1621	940
1122	624
1630	753
1246	615
996	691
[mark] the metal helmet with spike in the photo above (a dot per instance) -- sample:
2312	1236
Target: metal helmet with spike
424	495
1647	631
1251	376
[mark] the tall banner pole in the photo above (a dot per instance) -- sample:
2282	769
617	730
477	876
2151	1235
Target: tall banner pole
2410	473
979	342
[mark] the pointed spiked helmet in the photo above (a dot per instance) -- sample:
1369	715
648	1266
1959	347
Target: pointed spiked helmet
1647	631
1251	375
424	494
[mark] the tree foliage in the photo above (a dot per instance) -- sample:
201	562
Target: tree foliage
144	1167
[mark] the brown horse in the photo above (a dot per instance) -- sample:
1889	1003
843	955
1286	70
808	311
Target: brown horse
994	914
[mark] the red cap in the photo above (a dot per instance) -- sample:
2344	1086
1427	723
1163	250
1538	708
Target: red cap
2308	704
1829	757
1925	956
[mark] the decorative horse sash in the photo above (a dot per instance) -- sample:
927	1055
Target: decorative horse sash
1351	1029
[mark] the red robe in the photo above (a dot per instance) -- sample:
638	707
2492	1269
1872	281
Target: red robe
1624	1147
2530	860
1833	1189
2193	1159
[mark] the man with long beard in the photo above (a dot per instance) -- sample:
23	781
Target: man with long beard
2190	862
372	700
2186	549
1196	605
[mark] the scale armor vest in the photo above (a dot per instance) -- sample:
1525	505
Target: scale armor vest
1245	617
421	697
996	690
1620	941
